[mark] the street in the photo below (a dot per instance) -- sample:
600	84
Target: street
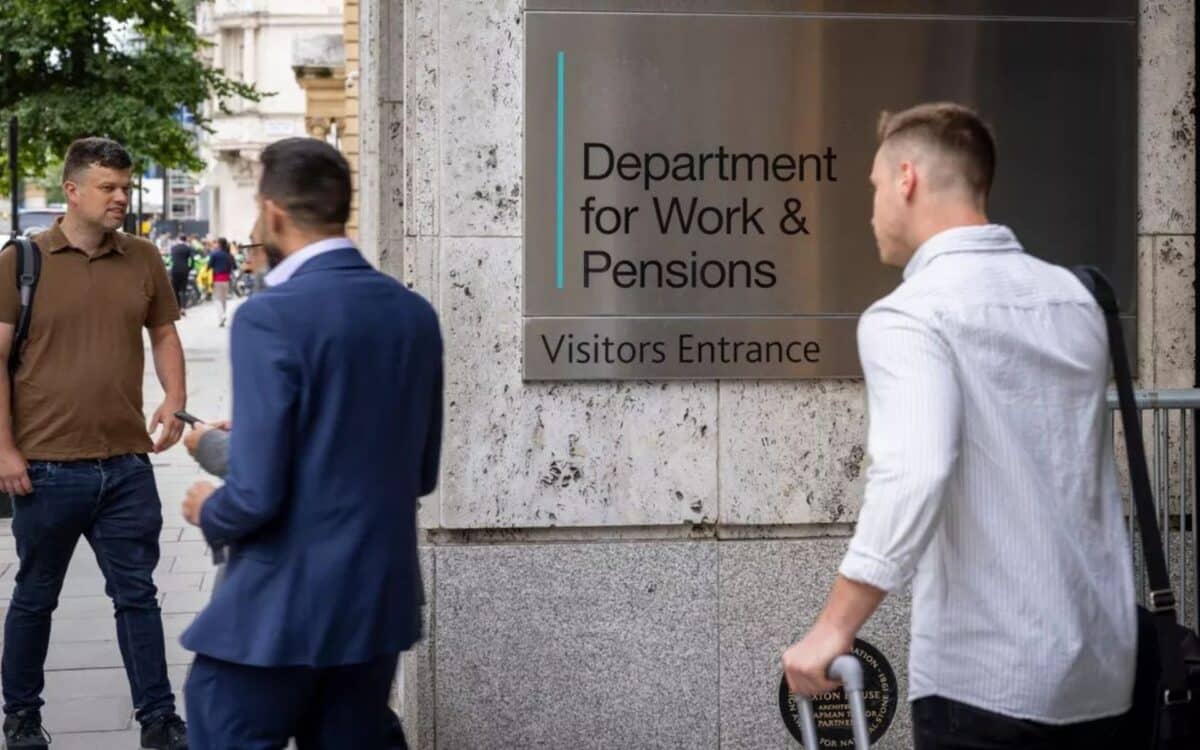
87	694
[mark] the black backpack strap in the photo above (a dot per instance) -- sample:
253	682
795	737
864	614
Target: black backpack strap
29	270
1162	598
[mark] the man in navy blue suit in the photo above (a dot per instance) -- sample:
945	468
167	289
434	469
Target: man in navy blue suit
337	410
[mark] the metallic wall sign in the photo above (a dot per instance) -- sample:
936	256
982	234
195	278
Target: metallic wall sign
708	171
1067	9
832	712
657	348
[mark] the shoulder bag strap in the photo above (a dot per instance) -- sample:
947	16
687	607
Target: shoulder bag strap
1162	598
29	268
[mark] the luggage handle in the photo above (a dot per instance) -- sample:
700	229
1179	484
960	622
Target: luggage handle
847	670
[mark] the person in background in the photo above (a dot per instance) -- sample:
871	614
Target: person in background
256	260
208	443
220	266
255	263
204	278
181	270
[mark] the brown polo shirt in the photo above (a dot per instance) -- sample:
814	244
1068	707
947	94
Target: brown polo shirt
78	392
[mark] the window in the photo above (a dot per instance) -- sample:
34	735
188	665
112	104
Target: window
183	210
233	47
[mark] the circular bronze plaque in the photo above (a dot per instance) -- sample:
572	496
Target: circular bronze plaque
833	712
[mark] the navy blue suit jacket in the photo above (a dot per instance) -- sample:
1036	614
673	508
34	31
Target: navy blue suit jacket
337	417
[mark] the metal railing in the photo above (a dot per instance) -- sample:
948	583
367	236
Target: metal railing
1169	431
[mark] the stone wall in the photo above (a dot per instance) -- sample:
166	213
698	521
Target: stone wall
621	564
349	137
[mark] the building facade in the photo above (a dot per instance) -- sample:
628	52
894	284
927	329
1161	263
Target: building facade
254	41
621	564
327	69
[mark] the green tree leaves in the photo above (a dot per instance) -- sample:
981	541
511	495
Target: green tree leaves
124	69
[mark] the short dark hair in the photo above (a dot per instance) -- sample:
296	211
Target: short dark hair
223	244
955	130
92	152
309	179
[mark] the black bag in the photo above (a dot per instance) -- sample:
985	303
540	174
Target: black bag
1166	694
29	270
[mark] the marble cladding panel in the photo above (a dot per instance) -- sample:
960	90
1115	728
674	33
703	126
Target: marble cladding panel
422	141
1166	117
577	645
770	594
1174	311
480	118
391	199
548	454
792	452
419	272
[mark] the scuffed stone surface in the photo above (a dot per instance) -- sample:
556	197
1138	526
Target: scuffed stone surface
1166	118
792	452
1174	314
373	29
393	255
771	592
481	56
392	16
1143	369
422	139
549	454
577	646
419	269
419	272
391	198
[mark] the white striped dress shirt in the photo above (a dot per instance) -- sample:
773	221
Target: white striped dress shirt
992	485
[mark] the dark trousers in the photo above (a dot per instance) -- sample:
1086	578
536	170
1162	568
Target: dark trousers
179	282
942	724
114	504
260	708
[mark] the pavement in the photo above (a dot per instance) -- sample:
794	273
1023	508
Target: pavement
87	695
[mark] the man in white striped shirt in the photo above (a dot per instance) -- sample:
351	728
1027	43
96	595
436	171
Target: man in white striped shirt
992	485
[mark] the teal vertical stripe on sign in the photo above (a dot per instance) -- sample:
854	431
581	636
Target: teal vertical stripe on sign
562	65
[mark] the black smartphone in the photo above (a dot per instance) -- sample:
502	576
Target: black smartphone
185	417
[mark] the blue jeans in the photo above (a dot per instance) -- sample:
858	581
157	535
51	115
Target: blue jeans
114	504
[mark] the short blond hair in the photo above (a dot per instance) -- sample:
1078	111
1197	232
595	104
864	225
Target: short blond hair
954	130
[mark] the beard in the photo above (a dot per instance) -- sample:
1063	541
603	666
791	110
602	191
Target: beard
274	254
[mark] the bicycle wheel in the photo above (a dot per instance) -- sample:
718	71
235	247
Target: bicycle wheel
245	285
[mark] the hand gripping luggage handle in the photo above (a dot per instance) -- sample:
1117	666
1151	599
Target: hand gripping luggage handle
847	670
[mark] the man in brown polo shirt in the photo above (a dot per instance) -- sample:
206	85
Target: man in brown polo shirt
73	444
